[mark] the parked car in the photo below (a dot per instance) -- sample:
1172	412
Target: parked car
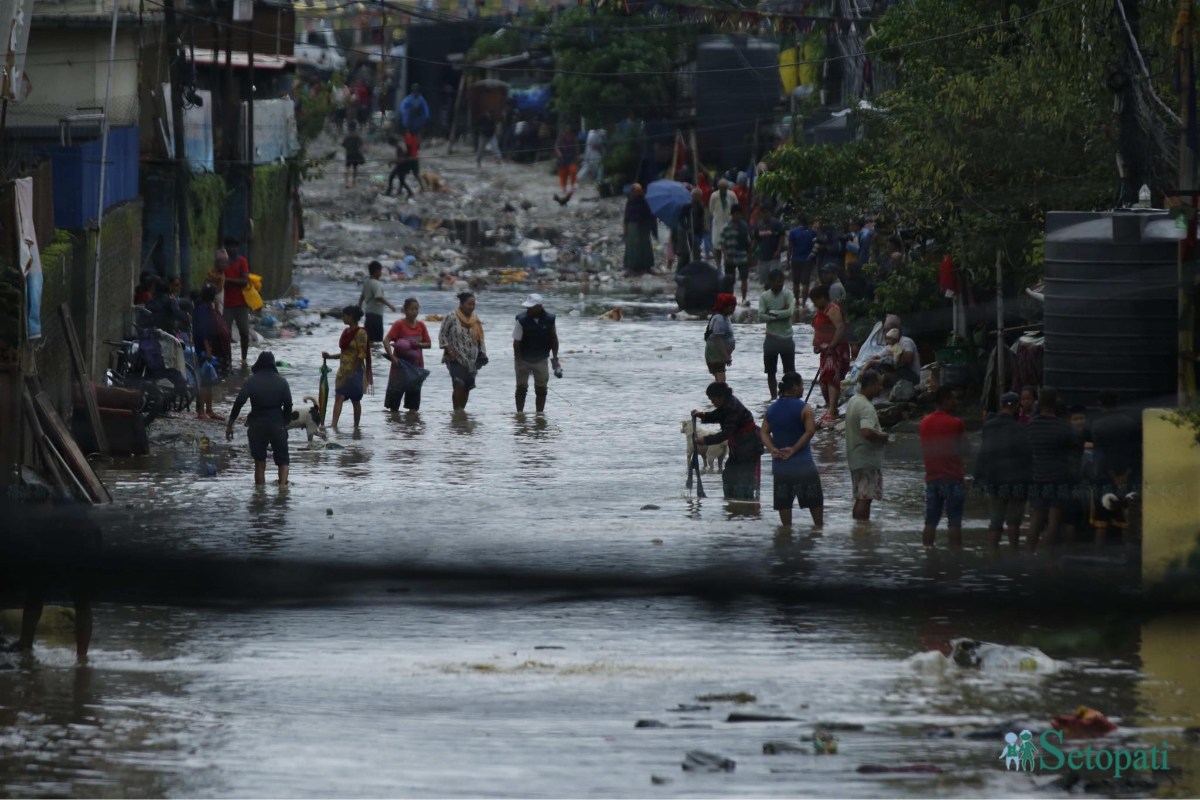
320	48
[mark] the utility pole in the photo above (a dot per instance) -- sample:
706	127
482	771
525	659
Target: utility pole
249	238
1187	188
182	172
1130	148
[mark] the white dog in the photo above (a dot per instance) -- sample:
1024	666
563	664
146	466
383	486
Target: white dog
306	418
713	453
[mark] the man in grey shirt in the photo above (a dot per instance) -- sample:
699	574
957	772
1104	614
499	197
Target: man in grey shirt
270	411
775	307
373	302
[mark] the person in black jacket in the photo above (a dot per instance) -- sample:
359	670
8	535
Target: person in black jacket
1002	469
270	410
740	479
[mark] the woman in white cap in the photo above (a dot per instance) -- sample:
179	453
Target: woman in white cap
535	349
463	350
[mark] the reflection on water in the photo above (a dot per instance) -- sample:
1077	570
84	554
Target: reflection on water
267	519
386	695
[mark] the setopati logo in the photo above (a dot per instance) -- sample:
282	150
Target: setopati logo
1021	754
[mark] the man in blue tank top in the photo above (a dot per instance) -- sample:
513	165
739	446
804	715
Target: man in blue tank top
787	429
535	341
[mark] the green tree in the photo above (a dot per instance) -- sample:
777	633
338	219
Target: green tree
608	65
1001	113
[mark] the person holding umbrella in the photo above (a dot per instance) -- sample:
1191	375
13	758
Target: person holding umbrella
640	224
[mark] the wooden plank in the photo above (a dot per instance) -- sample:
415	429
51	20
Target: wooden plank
11	450
58	435
81	375
41	443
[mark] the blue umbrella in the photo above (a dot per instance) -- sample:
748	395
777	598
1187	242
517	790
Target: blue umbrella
667	199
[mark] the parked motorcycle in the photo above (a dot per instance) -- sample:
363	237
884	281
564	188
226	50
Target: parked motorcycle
138	362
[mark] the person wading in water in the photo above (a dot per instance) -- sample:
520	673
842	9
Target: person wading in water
741	475
464	353
535	339
270	409
354	368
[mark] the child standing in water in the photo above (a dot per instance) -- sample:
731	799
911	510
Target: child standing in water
354	367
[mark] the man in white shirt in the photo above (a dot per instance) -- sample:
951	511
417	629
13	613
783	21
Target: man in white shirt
720	207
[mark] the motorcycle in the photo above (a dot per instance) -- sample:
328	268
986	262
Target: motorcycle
138	363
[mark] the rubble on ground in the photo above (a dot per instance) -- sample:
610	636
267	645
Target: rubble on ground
489	227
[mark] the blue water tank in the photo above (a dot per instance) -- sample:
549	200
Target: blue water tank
1112	308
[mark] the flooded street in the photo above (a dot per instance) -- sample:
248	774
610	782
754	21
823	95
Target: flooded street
421	688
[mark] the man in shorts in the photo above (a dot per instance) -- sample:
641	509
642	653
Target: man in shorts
1054	444
943	442
775	307
787	429
802	258
1002	469
535	350
865	443
270	410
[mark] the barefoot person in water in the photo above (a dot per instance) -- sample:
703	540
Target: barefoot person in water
461	340
354	368
270	407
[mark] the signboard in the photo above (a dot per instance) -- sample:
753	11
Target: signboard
243	10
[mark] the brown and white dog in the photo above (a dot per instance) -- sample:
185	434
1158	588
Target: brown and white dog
712	454
307	419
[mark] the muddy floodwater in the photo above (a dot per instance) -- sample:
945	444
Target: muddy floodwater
426	689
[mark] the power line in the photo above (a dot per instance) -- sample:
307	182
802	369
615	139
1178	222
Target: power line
720	70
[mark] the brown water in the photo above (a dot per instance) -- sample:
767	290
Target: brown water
521	689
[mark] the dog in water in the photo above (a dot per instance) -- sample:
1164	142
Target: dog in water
712	454
307	418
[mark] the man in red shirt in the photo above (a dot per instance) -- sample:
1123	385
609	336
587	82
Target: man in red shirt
943	442
237	272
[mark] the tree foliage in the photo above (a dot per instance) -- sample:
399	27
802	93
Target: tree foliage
1001	113
609	65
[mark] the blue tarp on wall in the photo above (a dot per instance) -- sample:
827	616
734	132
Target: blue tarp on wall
77	176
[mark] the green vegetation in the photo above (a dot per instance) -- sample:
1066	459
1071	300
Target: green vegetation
1187	417
206	204
610	65
1006	117
62	247
270	189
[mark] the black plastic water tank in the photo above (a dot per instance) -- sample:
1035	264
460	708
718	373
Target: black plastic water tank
737	80
1111	310
696	287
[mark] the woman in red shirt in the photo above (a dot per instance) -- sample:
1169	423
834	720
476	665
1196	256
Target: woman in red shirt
405	340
